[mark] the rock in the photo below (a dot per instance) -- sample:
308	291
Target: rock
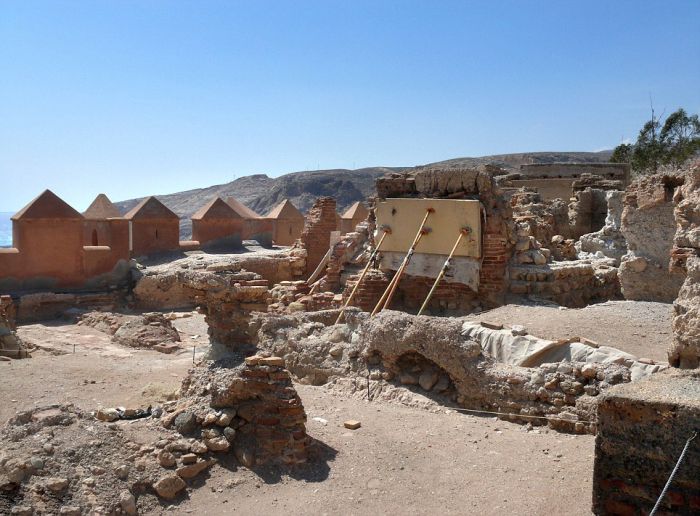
210	433
518	330
210	419
198	447
127	502
166	459
192	470
48	448
70	510
352	424
336	351
273	361
229	434
178	446
442	384
56	484
408	379
107	414
245	456
169	486
217	444
189	458
22	510
122	472
226	417
428	379
537	378
186	422
589	371
491	325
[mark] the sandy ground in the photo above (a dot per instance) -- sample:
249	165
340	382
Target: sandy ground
403	459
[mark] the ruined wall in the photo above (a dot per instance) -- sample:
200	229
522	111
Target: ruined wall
642	428
11	346
648	226
685	352
316	237
608	241
497	227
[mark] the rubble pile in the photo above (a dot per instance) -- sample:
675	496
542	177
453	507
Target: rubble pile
151	330
607	242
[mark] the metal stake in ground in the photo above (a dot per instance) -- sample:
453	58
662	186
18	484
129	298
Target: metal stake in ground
387	231
389	292
462	233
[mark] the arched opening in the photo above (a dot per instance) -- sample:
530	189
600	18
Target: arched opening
156	234
94	237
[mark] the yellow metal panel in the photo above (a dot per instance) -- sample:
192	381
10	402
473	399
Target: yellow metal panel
404	216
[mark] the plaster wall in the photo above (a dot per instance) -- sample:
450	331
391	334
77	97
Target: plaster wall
404	217
206	230
153	236
287	231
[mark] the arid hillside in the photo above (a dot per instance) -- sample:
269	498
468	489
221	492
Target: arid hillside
262	193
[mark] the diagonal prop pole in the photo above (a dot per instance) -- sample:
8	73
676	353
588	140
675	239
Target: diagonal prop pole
389	292
387	231
462	233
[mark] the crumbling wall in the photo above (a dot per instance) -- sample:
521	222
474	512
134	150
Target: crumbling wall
395	348
498	234
642	429
228	303
685	352
648	226
608	241
251	409
11	346
316	237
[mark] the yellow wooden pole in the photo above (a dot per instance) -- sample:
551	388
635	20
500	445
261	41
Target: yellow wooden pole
390	288
364	272
463	232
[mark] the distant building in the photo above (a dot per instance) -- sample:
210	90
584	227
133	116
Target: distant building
287	223
352	217
216	220
153	228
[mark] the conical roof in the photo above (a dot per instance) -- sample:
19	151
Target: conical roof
101	208
151	208
47	206
216	209
285	210
357	210
241	208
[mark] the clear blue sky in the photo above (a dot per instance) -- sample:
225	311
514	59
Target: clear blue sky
151	97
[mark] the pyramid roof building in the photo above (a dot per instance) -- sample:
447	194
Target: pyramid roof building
47	206
357	210
285	210
217	208
151	208
101	208
241	208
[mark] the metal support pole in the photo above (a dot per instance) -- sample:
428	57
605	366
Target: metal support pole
462	233
387	231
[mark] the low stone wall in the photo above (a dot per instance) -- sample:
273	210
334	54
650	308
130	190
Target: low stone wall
573	284
228	305
642	428
251	409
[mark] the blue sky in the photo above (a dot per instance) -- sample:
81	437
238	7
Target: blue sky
151	97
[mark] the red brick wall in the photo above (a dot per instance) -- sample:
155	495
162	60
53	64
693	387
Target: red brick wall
316	237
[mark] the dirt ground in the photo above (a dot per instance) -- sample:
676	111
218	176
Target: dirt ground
402	459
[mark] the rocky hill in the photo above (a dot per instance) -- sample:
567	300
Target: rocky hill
261	193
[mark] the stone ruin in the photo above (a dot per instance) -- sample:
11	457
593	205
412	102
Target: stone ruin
610	239
11	346
58	459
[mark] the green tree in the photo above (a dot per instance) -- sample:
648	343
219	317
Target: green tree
670	143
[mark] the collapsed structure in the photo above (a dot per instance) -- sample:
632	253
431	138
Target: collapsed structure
389	299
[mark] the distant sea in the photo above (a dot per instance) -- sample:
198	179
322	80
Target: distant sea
5	229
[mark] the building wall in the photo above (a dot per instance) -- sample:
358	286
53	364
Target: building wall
620	171
206	230
316	237
287	231
548	189
154	236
